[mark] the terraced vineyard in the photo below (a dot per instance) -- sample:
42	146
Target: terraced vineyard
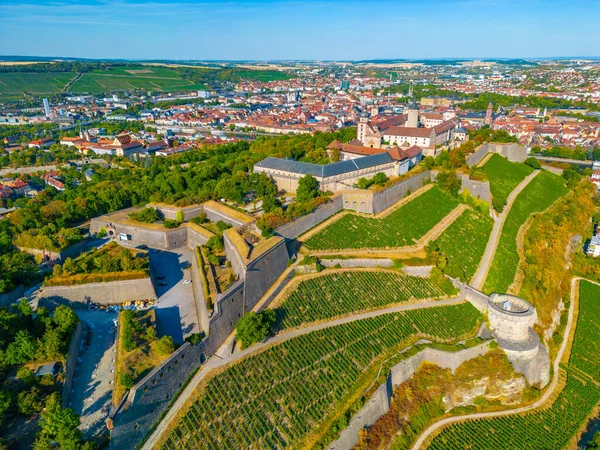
276	398
13	83
504	177
538	195
339	293
127	78
584	354
463	244
556	426
403	226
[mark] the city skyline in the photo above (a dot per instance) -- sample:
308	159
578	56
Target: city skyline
330	30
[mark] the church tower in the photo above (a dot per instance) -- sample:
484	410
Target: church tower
413	115
488	114
361	129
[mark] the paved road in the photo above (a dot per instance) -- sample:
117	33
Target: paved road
176	314
549	392
94	375
216	362
490	249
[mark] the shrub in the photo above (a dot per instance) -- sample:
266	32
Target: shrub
168	223
146	215
195	338
200	218
126	380
255	327
165	345
449	182
533	162
222	226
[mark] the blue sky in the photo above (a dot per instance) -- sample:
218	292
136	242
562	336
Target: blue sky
327	29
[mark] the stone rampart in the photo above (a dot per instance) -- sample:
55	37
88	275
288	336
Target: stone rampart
262	271
512	151
479	189
301	225
150	397
379	403
477	156
72	356
109	293
382	200
229	308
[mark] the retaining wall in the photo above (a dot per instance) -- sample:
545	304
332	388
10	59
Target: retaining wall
379	403
109	293
72	356
12	296
301	225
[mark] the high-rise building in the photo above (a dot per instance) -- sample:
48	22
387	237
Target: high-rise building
46	107
345	85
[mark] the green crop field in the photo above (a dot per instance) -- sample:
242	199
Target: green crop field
463	244
539	194
276	398
16	83
402	227
504	177
554	427
339	293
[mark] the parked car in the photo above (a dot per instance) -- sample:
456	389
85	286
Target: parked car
187	281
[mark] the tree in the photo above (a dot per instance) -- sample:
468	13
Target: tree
22	350
65	319
60	425
449	182
6	403
30	402
533	162
255	327
308	188
179	216
165	345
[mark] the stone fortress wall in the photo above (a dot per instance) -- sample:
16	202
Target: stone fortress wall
257	269
513	152
359	200
511	321
379	403
108	293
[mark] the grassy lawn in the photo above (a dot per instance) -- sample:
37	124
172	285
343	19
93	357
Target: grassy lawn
402	227
543	190
133	365
335	294
504	177
283	396
463	244
12	83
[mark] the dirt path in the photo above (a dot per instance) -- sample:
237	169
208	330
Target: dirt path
490	249
429	432
215	363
